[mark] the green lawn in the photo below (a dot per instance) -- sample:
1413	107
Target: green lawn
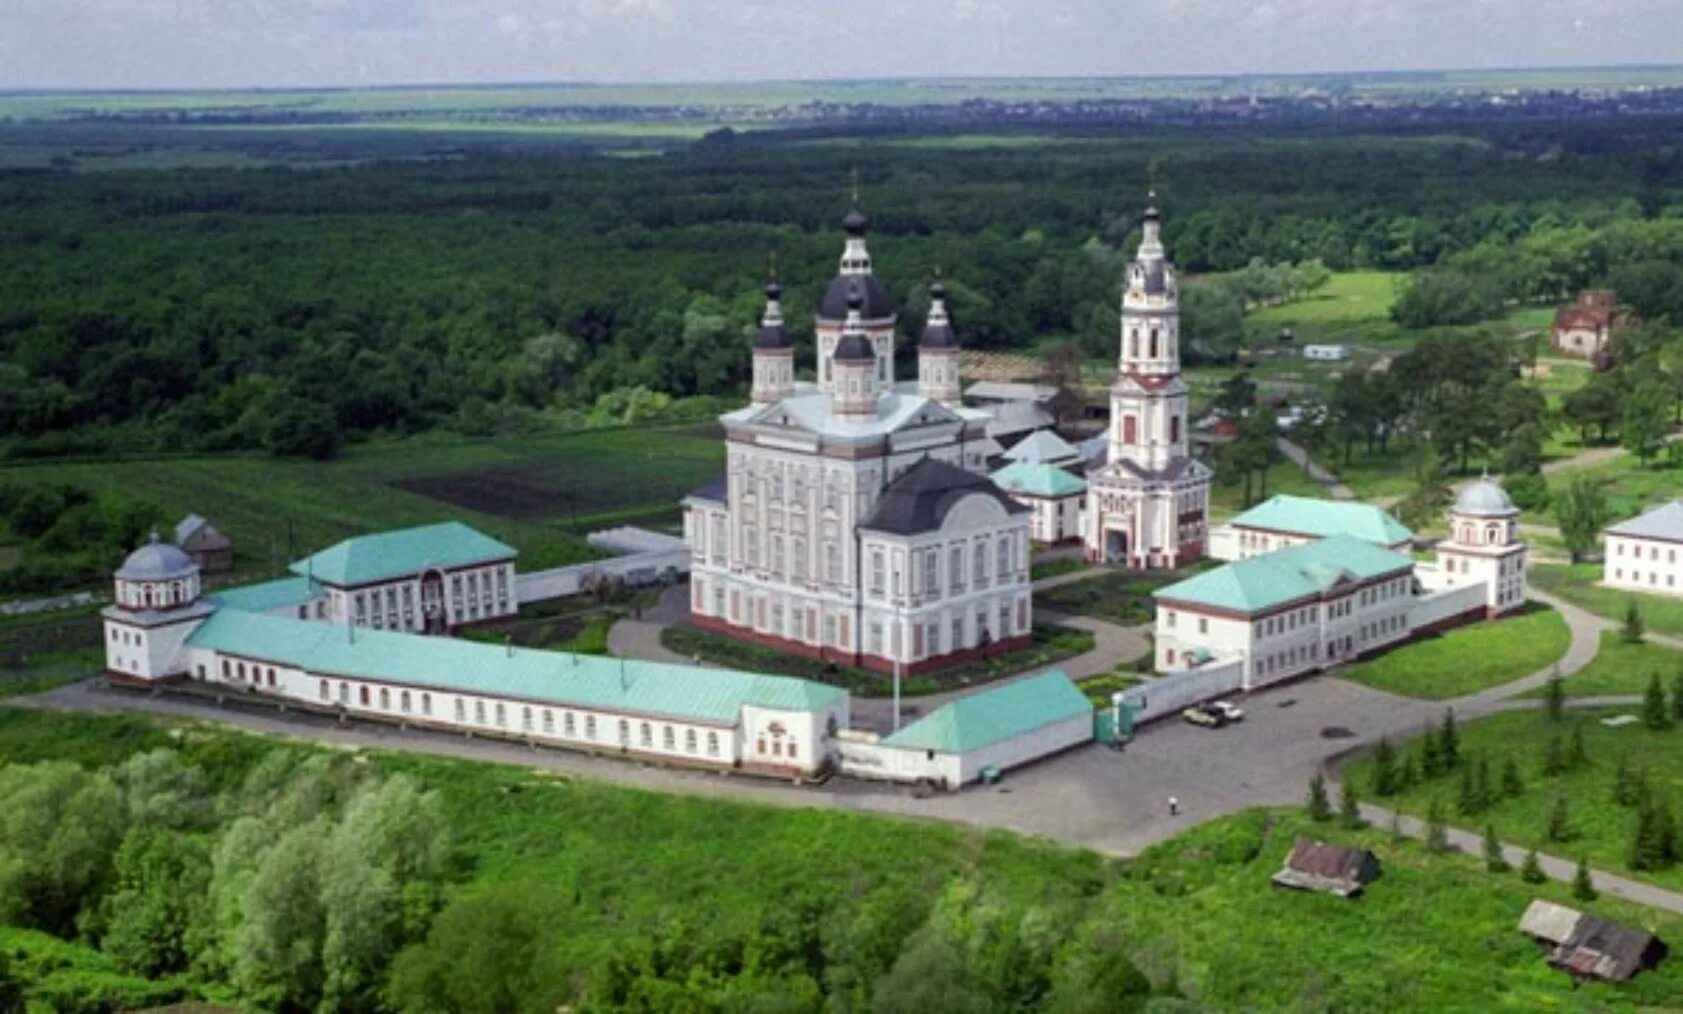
1468	659
1631	487
1052	644
1578	585
1349	296
1118	596
661	902
1621	668
536	491
1600	827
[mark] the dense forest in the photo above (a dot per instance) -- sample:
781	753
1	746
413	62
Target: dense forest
291	308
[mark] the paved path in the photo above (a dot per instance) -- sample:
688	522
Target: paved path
1298	456
1113	644
1555	867
640	638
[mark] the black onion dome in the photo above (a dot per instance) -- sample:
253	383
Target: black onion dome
878	305
855	348
774	290
772	336
855	223
938	335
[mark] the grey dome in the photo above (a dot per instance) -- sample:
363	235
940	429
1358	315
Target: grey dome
877	306
854	223
1484	498
156	561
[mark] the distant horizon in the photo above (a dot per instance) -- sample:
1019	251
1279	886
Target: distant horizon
190	45
493	84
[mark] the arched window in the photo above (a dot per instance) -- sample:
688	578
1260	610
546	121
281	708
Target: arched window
645	735
548	722
403	702
589	726
567	724
712	744
325	692
385	699
502	715
362	695
689	741
1153	343
426	704
668	738
624	733
479	712
526	719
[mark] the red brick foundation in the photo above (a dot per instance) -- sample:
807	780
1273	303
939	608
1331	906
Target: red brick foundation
860	659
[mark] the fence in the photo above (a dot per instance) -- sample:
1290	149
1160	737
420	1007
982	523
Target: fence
1168	694
1439	607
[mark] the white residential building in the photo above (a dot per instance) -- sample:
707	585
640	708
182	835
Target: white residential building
854	521
1642	554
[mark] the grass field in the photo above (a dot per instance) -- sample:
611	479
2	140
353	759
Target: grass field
1621	668
614	870
1600	827
1350	298
1630	486
1117	596
1578	585
1052	644
538	492
1468	659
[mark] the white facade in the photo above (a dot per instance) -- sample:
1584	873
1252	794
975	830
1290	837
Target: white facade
1642	564
1484	548
1053	519
781	550
1641	554
1286	641
1148	506
432	600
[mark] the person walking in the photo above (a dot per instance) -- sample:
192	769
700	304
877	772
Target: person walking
1174	806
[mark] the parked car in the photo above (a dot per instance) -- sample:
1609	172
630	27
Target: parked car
1213	715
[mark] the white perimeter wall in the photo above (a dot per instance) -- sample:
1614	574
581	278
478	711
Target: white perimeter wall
882	762
1447	604
1170	693
543	585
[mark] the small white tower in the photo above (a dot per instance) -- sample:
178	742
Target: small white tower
157	605
937	352
853	367
774	354
1484	546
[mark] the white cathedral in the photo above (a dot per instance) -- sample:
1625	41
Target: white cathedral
855	521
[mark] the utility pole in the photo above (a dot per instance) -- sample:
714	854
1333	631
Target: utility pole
896	694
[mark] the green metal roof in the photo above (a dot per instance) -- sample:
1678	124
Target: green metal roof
368	558
260	598
1285	575
1037	478
448	664
991	716
1304	515
1042	445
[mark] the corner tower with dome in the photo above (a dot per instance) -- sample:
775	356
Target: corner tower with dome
855	520
1484	547
157	604
1148	506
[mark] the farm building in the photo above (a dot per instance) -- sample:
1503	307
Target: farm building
1331	869
205	543
1589	947
991	730
1583	327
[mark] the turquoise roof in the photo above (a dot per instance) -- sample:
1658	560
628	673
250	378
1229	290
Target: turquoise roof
1286	575
1304	515
1036	478
550	677
992	716
260	598
368	558
1042	445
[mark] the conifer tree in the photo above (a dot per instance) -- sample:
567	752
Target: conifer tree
1560	820
1407	773
1512	784
1576	757
1349	807
1677	698
1449	741
1554	758
1554	696
1583	888
1437	835
1654	713
1623	785
1317	806
1431	755
1494	860
1383	780
1531	871
1631	630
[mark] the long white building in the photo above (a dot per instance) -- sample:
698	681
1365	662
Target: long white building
854	521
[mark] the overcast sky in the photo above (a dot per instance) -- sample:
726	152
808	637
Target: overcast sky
234	43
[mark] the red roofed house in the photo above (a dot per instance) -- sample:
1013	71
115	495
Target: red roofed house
1581	329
